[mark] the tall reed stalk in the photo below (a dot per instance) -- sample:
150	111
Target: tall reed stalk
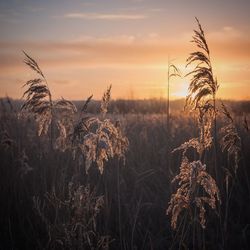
203	86
197	189
39	102
173	71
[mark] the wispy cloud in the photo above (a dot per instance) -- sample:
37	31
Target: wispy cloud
157	10
104	16
119	51
227	33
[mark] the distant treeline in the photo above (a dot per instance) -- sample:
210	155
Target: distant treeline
146	106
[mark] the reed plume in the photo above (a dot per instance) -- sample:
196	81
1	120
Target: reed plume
204	140
38	101
202	90
105	100
203	83
98	140
38	98
230	141
196	189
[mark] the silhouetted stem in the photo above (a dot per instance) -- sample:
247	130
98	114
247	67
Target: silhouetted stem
215	139
168	103
52	114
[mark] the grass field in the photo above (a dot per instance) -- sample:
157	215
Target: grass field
126	174
37	211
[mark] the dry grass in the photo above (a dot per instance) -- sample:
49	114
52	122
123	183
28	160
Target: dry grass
203	84
98	139
230	141
193	181
75	224
52	200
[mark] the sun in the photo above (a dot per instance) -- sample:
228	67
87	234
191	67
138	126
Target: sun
180	90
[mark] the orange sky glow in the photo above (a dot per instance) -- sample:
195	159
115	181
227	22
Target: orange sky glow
127	45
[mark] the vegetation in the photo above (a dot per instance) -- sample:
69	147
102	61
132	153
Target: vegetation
75	175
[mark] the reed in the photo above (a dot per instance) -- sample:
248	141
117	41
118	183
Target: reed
39	102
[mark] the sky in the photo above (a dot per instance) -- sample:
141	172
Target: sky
82	46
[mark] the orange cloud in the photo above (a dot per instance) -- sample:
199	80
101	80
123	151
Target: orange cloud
104	16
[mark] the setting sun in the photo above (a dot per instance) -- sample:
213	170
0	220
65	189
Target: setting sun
180	90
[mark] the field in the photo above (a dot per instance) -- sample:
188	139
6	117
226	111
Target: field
125	207
126	174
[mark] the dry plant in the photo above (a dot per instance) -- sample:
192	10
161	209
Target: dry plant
98	140
203	84
245	124
196	187
173	71
204	141
230	141
105	100
38	101
74	224
193	181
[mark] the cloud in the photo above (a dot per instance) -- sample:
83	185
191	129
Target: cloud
228	28
103	16
118	51
226	33
94	52
157	10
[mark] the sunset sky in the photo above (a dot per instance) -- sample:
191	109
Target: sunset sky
83	46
